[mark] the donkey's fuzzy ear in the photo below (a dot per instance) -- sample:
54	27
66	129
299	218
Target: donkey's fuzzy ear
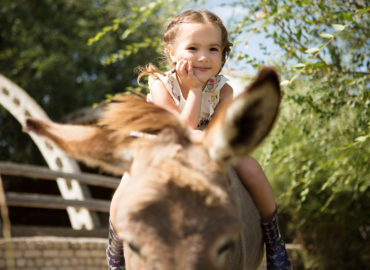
247	120
93	145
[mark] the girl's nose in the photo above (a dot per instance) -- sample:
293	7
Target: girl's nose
202	57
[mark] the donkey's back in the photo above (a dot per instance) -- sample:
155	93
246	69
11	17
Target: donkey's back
250	252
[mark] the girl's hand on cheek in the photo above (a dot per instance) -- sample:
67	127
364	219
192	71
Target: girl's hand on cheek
184	69
181	68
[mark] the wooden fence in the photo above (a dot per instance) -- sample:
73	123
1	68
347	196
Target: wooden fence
30	200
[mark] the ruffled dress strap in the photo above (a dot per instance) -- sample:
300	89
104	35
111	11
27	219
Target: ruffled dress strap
210	99
169	80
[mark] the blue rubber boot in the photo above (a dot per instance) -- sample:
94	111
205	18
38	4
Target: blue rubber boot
115	258
276	254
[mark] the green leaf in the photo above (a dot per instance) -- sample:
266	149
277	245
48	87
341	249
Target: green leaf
363	11
107	29
347	16
90	41
300	65
285	83
312	50
125	34
152	5
362	138
339	27
322	46
326	35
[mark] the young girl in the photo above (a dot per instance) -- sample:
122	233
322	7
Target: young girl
196	45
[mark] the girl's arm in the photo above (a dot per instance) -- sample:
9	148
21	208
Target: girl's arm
226	95
192	90
191	112
161	97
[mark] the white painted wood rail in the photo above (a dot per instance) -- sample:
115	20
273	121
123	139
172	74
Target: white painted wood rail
21	105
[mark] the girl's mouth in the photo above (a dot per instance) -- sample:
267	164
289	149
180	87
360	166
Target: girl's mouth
202	68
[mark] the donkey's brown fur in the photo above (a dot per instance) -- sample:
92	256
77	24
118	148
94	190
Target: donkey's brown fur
128	113
182	207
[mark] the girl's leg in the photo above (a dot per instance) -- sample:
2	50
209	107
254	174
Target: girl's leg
254	179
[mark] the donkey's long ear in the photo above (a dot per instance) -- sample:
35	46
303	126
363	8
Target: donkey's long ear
112	144
92	145
246	121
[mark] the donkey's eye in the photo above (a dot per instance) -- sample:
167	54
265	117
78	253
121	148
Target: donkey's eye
134	248
221	250
226	247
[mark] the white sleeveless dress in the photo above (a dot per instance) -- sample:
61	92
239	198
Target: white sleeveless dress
210	94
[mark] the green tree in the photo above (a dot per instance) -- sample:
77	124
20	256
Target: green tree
47	47
318	154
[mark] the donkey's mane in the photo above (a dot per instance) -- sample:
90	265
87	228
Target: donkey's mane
127	113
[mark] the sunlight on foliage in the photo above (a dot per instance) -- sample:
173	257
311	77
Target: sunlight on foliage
318	154
135	21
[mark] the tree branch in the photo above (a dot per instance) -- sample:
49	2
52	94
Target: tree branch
300	44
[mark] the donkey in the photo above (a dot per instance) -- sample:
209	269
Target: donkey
183	206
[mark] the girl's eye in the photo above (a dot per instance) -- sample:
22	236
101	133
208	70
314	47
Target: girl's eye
214	49
192	48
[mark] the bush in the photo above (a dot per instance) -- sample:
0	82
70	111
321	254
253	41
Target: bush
318	154
318	159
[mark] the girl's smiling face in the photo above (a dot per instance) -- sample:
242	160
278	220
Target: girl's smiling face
199	43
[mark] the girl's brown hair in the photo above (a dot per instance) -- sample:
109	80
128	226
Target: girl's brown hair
189	16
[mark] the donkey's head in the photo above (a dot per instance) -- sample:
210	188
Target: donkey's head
177	211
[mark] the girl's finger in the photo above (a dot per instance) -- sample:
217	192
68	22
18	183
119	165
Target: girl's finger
178	65
190	69
183	66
